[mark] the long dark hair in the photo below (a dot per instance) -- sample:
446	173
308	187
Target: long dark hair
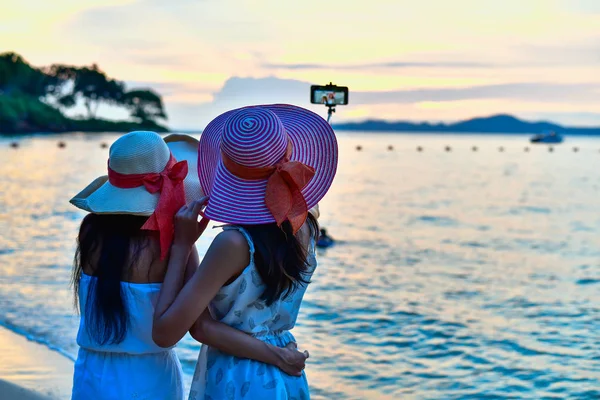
108	245
280	258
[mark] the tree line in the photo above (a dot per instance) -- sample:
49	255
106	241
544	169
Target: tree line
64	86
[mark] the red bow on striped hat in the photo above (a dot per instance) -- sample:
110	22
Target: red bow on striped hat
286	179
169	183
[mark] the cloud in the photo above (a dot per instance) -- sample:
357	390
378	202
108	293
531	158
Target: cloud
272	89
584	52
513	53
171	88
581	52
263	90
391	65
158	60
542	92
239	92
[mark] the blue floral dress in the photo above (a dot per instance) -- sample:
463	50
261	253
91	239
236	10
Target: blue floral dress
222	376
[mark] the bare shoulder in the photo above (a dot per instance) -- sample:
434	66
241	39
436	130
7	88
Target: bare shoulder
147	267
231	247
232	239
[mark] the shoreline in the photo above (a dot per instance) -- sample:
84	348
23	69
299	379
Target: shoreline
10	391
32	371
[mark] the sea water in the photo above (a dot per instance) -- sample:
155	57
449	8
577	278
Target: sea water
459	273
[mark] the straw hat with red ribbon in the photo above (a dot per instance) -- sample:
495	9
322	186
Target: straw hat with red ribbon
265	164
148	176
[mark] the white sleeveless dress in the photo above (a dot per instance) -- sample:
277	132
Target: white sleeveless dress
136	368
221	376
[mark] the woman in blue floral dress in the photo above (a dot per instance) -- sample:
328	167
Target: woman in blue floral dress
263	168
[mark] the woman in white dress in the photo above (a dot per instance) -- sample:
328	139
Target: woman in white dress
263	168
119	267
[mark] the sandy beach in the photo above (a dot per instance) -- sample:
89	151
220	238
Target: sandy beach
30	371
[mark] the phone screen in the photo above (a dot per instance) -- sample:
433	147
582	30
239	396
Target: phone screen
329	95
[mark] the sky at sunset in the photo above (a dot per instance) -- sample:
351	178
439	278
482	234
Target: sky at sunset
432	60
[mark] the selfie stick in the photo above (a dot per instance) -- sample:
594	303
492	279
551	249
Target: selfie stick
330	111
330	107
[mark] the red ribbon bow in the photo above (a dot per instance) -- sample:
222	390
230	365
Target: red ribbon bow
286	179
169	183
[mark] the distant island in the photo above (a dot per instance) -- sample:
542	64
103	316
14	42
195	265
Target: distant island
34	100
494	124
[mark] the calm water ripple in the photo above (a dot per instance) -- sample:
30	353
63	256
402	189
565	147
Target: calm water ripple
457	275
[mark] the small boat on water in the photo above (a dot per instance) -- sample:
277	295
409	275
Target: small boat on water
550	137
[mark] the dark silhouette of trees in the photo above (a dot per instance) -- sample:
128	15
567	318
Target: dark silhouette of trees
16	75
144	105
35	94
87	84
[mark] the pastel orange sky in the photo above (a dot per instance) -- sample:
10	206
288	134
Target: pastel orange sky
431	60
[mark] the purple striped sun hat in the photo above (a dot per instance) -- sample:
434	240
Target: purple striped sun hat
263	138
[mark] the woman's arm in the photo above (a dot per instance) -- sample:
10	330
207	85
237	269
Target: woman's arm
232	341
177	310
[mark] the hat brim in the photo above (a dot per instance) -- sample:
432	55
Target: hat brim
101	197
240	201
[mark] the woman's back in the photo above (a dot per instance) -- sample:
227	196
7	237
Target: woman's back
139	299
241	304
138	280
143	263
120	262
118	280
264	168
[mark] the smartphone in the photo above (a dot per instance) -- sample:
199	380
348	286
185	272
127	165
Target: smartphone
330	95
